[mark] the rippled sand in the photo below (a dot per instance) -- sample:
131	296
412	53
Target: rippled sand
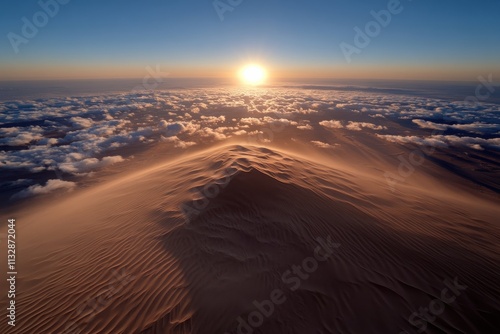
189	246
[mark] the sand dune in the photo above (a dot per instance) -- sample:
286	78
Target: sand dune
193	245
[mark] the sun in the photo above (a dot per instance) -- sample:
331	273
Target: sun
253	74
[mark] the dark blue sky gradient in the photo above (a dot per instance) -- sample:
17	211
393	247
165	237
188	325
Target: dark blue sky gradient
276	32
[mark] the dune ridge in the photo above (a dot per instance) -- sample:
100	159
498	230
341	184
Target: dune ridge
128	257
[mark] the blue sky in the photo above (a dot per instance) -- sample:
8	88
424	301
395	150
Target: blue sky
291	35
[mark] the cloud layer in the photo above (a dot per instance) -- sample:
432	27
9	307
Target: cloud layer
74	136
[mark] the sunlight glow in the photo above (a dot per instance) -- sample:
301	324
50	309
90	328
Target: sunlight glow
253	75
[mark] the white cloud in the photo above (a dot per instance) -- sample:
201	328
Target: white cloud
81	122
23	138
332	124
251	121
357	126
7	132
305	127
89	164
177	142
429	125
240	133
444	141
429	141
211	133
50	186
175	128
281	121
213	119
322	144
475	127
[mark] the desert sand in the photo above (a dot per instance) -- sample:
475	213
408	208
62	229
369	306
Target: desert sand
193	244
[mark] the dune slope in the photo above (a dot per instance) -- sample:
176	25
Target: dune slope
193	245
